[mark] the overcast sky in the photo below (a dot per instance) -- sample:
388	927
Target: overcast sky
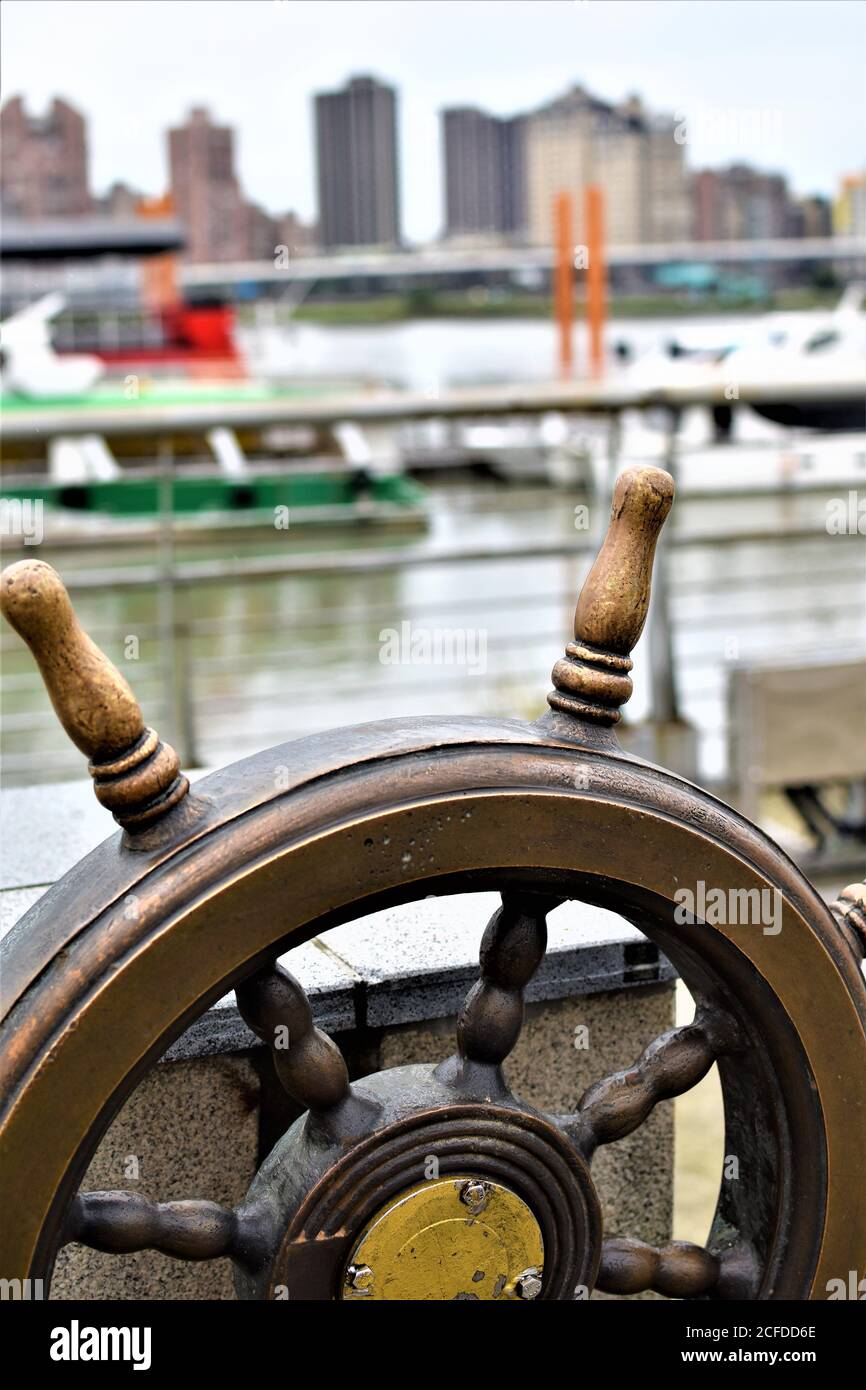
776	82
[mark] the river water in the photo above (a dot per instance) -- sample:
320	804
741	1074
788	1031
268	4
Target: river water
427	354
276	658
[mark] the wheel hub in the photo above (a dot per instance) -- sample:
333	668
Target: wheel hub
458	1238
440	1190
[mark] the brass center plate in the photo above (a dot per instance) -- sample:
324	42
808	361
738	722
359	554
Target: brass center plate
459	1237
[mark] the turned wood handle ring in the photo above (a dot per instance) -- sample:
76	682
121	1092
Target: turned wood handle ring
592	680
136	776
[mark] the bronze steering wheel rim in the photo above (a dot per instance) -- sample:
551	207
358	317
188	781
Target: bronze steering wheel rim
111	965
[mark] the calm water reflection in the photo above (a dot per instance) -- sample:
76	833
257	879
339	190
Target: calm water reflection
273	659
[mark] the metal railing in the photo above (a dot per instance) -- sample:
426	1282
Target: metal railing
283	657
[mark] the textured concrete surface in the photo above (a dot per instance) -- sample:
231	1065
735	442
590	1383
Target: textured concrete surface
190	1130
71	823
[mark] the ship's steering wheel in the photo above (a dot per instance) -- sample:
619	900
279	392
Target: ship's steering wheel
204	888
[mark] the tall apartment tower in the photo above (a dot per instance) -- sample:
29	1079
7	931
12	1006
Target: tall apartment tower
631	154
44	169
356	158
814	215
849	210
669	208
205	189
740	203
484	173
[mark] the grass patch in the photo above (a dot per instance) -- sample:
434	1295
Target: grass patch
472	304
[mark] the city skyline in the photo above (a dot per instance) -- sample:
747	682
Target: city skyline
501	178
811	145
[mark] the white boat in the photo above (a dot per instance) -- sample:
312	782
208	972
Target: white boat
804	353
31	367
807	354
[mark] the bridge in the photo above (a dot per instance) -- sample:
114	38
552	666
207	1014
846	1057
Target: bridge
376	269
429	264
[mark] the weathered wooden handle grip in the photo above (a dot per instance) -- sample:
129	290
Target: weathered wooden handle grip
93	702
591	681
135	775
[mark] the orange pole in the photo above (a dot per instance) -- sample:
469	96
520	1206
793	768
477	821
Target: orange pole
596	275
159	275
564	280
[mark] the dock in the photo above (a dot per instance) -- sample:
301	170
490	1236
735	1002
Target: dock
608	395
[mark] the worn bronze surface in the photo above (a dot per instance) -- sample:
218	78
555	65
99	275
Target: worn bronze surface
678	1270
118	1222
630	858
307	1061
850	910
672	1064
135	775
387	814
512	949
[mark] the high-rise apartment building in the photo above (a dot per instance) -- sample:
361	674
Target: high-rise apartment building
559	141
669	208
631	154
740	204
44	168
120	201
261	239
357	165
709	221
205	189
484	173
270	236
849	209
814	216
618	164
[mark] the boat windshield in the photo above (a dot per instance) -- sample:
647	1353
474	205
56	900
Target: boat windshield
822	340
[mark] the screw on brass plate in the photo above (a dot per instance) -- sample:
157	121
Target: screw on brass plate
475	1195
136	776
528	1284
360	1279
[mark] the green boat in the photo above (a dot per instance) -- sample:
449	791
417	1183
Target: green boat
115	395
131	509
108	488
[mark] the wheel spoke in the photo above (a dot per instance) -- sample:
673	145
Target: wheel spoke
672	1064
677	1270
512	949
121	1222
308	1063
